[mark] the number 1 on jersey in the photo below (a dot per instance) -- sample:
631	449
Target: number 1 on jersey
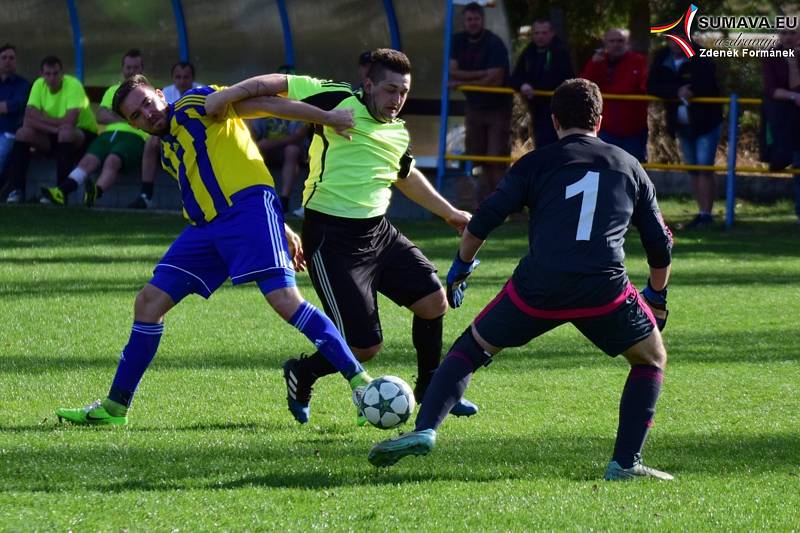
587	185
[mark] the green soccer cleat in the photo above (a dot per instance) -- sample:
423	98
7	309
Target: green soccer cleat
90	194
94	414
390	451
614	472
53	195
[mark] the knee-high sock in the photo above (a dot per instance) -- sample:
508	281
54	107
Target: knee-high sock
427	338
65	161
636	410
450	381
320	330
136	357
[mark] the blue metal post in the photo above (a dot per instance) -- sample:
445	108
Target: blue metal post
448	31
394	28
77	38
733	141
288	42
180	29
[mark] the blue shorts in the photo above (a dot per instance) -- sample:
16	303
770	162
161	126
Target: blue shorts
700	150
245	243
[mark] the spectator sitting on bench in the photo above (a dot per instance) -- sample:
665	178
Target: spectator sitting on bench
183	80
14	91
118	147
58	121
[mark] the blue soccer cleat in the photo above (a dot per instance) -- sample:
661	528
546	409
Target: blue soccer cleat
390	451
298	390
464	408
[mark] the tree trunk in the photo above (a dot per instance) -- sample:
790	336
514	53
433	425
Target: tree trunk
639	25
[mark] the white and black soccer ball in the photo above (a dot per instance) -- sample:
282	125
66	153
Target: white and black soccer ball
387	402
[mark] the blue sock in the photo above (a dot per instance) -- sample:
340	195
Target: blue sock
136	357
636	410
320	330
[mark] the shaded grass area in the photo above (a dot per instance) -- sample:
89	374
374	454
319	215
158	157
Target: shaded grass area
211	445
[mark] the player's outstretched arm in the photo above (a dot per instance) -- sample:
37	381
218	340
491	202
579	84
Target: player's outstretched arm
419	190
265	85
295	248
340	120
463	265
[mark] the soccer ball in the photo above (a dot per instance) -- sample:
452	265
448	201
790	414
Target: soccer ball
387	402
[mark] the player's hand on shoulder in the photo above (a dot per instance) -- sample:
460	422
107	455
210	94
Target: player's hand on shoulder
458	219
657	301
341	120
295	249
460	270
215	104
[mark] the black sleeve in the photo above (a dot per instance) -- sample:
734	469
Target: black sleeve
662	82
654	234
405	164
520	74
509	197
327	100
563	63
704	78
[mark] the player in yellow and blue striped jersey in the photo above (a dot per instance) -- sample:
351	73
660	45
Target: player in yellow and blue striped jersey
237	229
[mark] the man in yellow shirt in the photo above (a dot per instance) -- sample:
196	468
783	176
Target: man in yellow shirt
118	147
58	122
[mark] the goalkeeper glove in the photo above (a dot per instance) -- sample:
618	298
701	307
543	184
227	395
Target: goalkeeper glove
657	300
457	280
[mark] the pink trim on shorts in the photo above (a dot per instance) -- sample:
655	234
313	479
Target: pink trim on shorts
570	314
491	304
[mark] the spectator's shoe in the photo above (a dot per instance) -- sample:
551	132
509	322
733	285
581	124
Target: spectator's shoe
390	451
14	197
464	408
300	212
614	472
141	202
94	414
53	195
298	390
700	221
91	193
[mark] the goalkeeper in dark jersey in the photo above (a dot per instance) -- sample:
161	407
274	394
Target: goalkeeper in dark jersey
582	194
353	251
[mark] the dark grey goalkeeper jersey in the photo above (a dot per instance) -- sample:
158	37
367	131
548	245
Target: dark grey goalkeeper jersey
582	194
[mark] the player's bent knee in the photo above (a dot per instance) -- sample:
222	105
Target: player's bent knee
285	301
649	351
431	306
365	354
468	346
151	304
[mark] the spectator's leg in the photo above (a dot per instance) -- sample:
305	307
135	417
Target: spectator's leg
89	163
20	158
498	143
150	157
69	142
291	161
108	176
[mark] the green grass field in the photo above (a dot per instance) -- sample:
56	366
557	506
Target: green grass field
211	445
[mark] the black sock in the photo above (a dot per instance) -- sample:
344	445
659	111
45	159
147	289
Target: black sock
65	161
427	338
68	185
450	381
18	164
636	409
99	192
284	203
147	190
317	366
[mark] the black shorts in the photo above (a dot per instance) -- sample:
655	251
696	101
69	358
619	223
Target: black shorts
507	321
351	260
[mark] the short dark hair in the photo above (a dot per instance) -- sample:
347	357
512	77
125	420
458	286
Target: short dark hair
384	59
134	53
577	103
542	21
7	46
50	60
182	64
364	58
475	7
137	80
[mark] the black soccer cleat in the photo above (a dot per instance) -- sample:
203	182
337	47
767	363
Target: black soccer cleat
299	387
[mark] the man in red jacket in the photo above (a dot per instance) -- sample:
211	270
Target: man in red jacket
617	70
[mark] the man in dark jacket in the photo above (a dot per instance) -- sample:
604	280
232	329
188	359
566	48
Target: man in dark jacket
542	65
676	78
